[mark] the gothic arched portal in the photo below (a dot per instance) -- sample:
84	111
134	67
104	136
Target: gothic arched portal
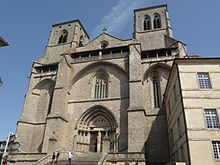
96	131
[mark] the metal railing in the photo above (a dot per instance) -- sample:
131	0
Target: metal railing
47	158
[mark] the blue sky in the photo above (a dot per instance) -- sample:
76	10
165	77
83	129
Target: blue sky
26	26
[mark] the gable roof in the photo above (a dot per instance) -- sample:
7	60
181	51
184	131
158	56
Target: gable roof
112	41
104	33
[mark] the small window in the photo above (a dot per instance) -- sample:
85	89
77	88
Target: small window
147	23
204	81
216	149
211	118
157	21
101	86
63	37
104	44
81	41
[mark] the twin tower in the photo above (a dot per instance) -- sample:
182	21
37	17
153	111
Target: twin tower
150	24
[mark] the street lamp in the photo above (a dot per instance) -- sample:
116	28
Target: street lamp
10	147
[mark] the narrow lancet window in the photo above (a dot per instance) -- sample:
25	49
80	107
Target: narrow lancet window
50	102
101	86
157	21
147	24
81	41
63	37
156	90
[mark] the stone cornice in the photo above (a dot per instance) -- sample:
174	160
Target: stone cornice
57	117
32	123
98	100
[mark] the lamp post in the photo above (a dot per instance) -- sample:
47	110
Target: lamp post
10	147
5	150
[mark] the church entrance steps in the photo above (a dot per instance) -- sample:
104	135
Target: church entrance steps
103	159
80	159
131	158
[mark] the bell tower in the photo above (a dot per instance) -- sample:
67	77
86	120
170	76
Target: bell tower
64	36
151	25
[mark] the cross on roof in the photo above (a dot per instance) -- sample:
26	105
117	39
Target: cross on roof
104	29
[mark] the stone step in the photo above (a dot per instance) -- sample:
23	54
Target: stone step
74	163
81	159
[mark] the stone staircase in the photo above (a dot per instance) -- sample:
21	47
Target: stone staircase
81	159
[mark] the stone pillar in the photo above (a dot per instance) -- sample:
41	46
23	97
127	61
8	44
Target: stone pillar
84	141
136	114
99	141
88	142
78	141
106	143
56	126
27	122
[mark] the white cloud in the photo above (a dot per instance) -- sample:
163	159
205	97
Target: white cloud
119	16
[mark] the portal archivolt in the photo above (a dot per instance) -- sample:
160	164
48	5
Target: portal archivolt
96	131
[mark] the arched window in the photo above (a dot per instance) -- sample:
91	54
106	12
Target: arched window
63	37
101	86
156	89
50	92
157	21
147	23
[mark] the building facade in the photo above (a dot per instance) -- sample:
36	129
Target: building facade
104	96
192	106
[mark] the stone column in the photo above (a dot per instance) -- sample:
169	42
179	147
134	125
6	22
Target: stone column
26	126
106	143
99	140
88	142
136	113
84	141
80	141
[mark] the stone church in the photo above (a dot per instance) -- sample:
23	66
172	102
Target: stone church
102	97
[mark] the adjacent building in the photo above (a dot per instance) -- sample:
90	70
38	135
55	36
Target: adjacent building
192	101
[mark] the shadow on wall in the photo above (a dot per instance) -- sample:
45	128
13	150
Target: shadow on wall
123	136
156	145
